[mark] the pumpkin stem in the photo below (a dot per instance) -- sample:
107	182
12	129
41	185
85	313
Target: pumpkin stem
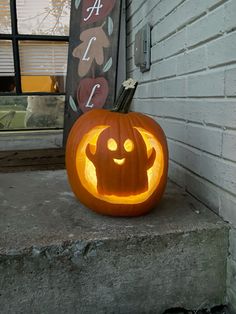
125	96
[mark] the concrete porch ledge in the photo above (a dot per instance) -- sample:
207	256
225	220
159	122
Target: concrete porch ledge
56	256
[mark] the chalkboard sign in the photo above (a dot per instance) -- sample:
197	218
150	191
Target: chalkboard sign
93	56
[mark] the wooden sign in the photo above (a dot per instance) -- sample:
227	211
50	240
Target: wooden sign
93	55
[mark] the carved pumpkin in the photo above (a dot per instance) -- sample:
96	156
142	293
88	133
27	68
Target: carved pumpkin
117	162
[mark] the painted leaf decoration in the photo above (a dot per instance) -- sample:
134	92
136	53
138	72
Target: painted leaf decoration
108	65
77	3
72	104
92	93
94	40
96	10
110	26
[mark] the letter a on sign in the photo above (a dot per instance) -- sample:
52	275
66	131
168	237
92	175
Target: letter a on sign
96	7
96	51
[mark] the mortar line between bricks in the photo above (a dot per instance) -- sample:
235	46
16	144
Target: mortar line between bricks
160	20
208	154
185	98
192	122
137	10
204	179
198	149
195	18
201	72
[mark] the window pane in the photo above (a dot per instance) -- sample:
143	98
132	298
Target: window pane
44	17
31	112
43	66
7	79
5	17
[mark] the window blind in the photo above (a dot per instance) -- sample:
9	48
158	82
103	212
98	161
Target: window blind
44	17
6	58
43	57
5	17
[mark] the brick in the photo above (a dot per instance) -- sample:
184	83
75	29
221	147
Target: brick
227	208
161	10
229	145
197	136
186	156
183	15
165	88
191	61
170	46
205	28
203	190
205	111
145	12
174	129
230	9
207	84
222	50
133	6
149	12
220	172
230	82
165	68
210	111
177	173
211	195
215	170
204	138
175	87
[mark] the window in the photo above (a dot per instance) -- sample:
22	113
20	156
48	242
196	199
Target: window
34	39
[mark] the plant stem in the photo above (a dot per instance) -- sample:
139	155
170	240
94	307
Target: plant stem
125	96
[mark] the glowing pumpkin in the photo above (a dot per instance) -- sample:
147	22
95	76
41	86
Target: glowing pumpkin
117	162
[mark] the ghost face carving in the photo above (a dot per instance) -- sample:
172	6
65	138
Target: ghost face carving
117	163
117	168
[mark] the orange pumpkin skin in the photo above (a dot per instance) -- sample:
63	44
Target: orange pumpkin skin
117	163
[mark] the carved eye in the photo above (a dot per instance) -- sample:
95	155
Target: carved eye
129	145
112	145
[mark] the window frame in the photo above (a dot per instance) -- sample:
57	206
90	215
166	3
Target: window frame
15	38
27	152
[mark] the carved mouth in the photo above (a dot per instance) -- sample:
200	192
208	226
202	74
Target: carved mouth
119	161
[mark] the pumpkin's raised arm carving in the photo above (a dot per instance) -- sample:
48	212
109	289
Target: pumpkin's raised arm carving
89	154
151	159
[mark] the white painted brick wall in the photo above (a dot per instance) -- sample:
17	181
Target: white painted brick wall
206	84
205	28
191	61
222	50
230	82
191	91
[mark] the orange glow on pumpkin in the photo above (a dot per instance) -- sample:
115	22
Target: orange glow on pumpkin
87	171
117	163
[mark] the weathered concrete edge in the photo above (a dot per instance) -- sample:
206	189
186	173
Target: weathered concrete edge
67	248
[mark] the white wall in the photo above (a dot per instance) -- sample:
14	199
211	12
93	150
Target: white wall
191	91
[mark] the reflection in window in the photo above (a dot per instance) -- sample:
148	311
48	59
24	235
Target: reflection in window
43	66
32	112
5	17
44	17
40	65
7	73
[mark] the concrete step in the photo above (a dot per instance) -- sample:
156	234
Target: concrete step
56	256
